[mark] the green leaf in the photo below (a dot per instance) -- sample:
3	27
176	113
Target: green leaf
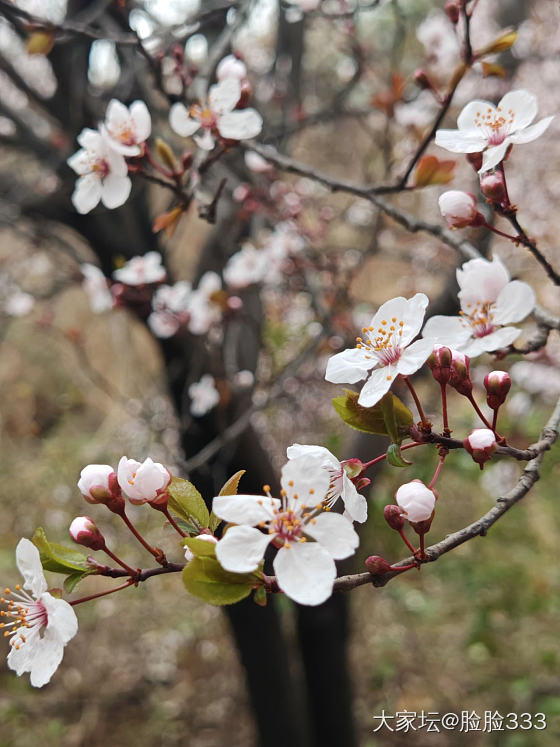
395	457
230	488
59	558
71	581
200	547
396	415
260	596
206	579
186	502
389	417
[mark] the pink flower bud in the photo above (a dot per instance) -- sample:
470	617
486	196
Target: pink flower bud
459	209
453	11
94	482
143	482
498	384
481	444
460	374
492	186
376	565
393	517
439	363
475	159
416	500
84	531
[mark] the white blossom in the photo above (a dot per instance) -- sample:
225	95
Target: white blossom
492	129
305	570
142	481
246	267
341	486
416	500
170	304
141	270
386	348
204	307
127	128
95	285
231	67
204	395
18	303
219	117
37	624
102	173
489	302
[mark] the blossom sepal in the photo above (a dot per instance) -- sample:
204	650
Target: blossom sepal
389	417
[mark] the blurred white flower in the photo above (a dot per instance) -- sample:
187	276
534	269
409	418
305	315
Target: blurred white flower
141	270
96	286
127	128
204	395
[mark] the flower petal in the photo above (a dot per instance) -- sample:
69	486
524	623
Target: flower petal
446	330
470	114
493	156
87	193
141	119
514	303
29	563
240	125
115	191
181	122
481	281
305	572
376	386
205	141
348	367
501	338
298	450
458	141
335	533
415	356
223	96
62	620
306	478
523	105
242	548
354	503
46	659
528	134
245	509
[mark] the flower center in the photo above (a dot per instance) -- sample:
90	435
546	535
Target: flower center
480	317
101	168
495	124
24	613
383	343
204	115
124	135
287	525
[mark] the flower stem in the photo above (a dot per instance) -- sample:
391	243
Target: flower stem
426	425
437	472
165	511
446	431
495	419
119	561
102	593
384	456
479	412
515	239
155	551
406	542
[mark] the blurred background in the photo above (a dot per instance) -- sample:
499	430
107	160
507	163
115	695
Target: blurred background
333	80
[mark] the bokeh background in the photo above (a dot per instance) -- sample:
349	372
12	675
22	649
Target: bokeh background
153	666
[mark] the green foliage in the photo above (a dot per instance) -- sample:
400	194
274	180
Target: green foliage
186	502
204	577
395	457
200	547
389	417
229	488
58	558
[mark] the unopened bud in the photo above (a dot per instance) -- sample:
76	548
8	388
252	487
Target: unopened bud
376	565
498	384
416	500
492	186
460	374
394	517
453	11
84	531
481	444
459	209
475	159
439	363
421	79
165	154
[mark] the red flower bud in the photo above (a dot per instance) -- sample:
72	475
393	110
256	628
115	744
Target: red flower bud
84	531
460	374
492	186
498	384
393	517
439	363
376	565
